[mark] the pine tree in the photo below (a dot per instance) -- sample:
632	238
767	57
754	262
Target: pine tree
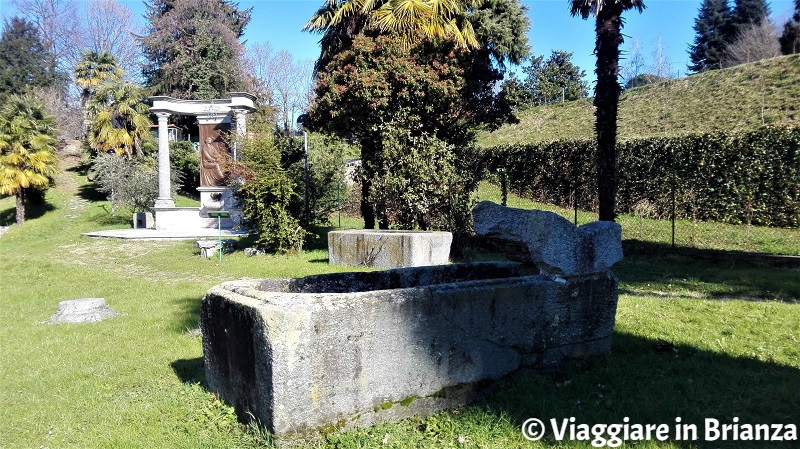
193	48
790	39
711	28
555	79
24	62
746	14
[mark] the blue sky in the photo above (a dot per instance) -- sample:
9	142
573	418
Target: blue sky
279	22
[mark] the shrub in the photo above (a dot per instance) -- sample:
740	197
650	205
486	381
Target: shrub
265	192
326	156
422	183
185	161
131	184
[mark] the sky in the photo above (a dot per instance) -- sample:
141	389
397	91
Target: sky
280	23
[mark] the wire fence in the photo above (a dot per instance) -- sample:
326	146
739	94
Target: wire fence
650	223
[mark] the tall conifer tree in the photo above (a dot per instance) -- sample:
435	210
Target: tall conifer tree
790	39
24	62
712	28
193	48
745	14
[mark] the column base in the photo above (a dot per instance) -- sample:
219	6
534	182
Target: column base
164	203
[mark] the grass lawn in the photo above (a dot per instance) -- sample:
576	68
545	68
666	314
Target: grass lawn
136	381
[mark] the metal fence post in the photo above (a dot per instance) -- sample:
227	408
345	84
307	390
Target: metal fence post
673	177
504	186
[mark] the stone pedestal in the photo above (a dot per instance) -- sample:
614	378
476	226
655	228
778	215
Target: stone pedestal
218	198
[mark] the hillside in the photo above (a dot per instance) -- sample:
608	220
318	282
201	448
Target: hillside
737	98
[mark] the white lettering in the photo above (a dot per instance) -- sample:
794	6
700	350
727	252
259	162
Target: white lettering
791	433
559	432
712	429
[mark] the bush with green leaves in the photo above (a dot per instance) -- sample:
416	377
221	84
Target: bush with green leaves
750	177
185	161
265	192
131	183
423	183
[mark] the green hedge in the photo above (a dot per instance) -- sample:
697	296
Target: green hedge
751	177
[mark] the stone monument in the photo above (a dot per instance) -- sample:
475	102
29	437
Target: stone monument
216	119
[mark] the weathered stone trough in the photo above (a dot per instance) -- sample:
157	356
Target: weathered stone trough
356	348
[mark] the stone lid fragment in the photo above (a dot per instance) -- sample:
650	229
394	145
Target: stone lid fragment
555	245
85	310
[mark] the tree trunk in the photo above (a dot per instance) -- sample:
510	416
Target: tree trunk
20	206
367	212
367	172
606	100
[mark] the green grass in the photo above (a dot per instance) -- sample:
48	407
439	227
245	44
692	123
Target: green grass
688	233
136	381
734	99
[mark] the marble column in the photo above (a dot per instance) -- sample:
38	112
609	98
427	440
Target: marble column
241	121
164	199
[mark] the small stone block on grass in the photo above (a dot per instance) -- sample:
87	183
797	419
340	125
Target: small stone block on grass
208	248
85	310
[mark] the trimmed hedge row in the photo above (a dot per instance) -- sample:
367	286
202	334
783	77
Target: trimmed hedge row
751	177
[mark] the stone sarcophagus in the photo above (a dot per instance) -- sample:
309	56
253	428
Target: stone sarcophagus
350	349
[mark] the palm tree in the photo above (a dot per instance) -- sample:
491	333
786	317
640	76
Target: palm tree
120	119
27	149
93	69
608	14
340	20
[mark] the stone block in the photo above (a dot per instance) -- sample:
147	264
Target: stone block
352	349
553	243
85	310
143	220
389	249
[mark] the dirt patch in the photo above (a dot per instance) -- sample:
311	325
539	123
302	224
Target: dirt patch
125	259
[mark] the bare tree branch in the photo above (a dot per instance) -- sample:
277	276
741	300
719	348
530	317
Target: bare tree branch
758	42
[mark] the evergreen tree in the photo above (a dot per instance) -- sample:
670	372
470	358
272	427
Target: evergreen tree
746	14
24	62
711	28
790	39
479	37
193	48
555	79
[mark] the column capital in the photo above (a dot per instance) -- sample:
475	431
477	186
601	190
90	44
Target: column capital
162	115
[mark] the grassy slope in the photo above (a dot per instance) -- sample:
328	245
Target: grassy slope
137	380
729	99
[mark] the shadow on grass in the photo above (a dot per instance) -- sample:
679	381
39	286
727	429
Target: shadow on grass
187	322
81	168
32	211
190	371
89	192
649	386
319	238
653	271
